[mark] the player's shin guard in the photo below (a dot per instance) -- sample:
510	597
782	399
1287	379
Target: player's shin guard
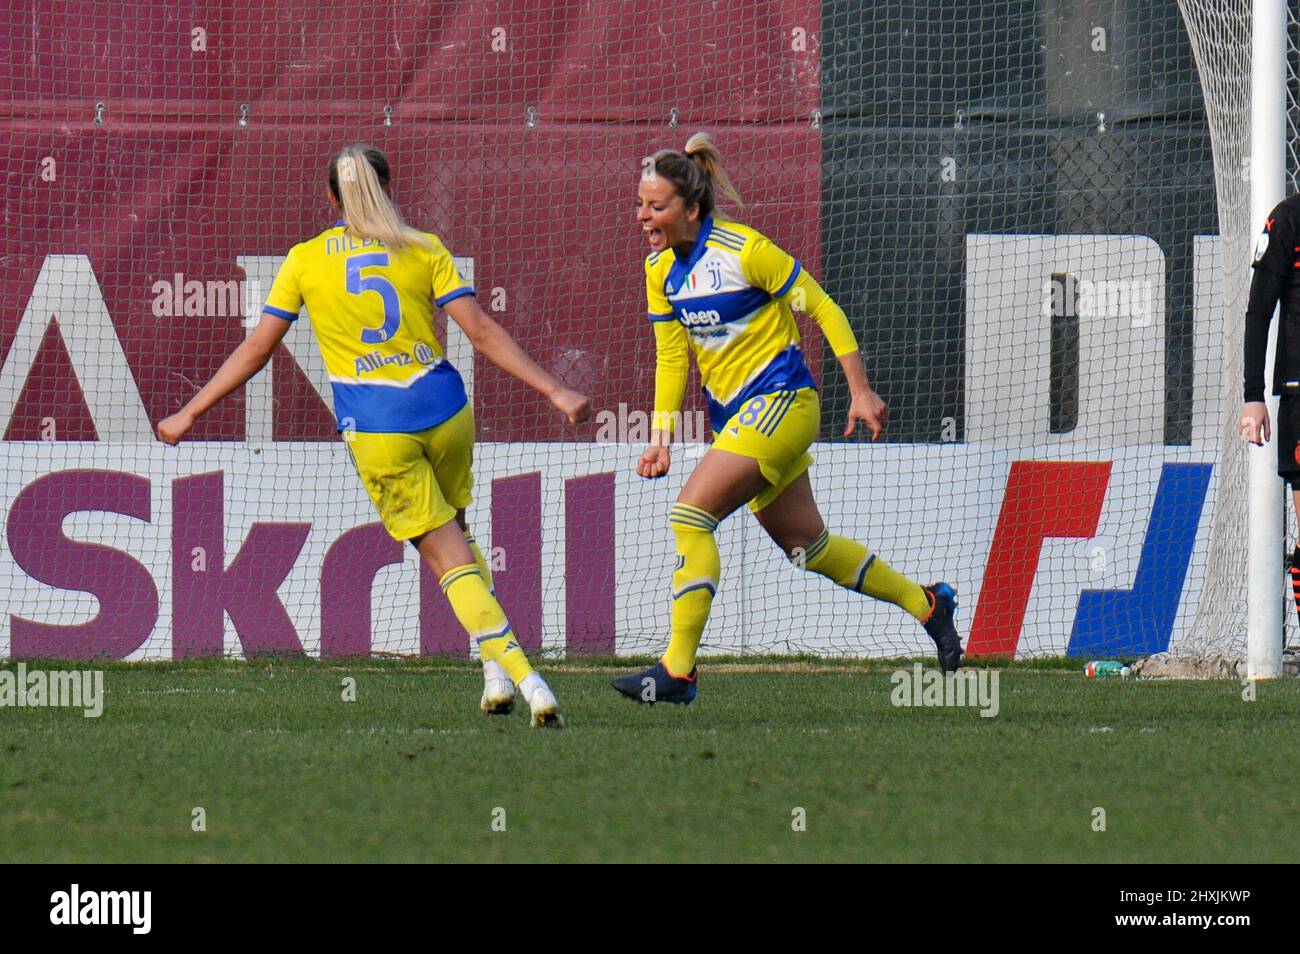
856	568
482	616
694	583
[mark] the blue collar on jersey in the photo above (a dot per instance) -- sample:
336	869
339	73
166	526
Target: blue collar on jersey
677	274
338	223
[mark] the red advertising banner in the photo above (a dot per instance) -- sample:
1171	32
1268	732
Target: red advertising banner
515	131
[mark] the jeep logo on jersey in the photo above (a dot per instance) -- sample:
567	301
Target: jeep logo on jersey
691	318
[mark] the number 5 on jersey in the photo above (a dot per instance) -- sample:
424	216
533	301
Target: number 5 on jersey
358	284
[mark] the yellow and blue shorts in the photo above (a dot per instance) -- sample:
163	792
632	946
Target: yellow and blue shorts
417	480
775	430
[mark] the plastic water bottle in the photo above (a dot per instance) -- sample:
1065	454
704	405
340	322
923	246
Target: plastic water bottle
1105	669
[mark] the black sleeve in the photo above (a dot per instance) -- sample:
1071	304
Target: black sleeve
1265	289
1274	262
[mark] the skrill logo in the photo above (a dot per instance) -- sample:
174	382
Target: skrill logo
207	581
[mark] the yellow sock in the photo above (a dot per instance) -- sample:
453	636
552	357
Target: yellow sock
482	616
694	583
483	567
854	567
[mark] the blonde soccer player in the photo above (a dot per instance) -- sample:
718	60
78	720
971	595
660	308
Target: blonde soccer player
371	285
723	291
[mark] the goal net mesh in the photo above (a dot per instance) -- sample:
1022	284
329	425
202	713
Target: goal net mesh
1018	203
1220	37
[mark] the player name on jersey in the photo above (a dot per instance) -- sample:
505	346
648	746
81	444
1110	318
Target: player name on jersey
345	242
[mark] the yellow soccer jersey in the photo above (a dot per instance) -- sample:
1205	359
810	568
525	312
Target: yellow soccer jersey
728	296
373	314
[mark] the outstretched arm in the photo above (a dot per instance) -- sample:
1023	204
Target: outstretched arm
865	405
502	350
244	362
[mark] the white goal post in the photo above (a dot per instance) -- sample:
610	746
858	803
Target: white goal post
1267	176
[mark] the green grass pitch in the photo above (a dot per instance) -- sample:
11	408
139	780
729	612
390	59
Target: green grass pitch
285	770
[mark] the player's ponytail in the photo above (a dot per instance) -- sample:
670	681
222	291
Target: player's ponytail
359	177
700	147
698	174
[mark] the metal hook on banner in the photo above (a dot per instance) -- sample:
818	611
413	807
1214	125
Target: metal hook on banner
530	117
99	114
388	115
815	120
1101	122
243	114
960	121
672	117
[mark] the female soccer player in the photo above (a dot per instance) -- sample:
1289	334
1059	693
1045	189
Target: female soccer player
370	284
728	291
